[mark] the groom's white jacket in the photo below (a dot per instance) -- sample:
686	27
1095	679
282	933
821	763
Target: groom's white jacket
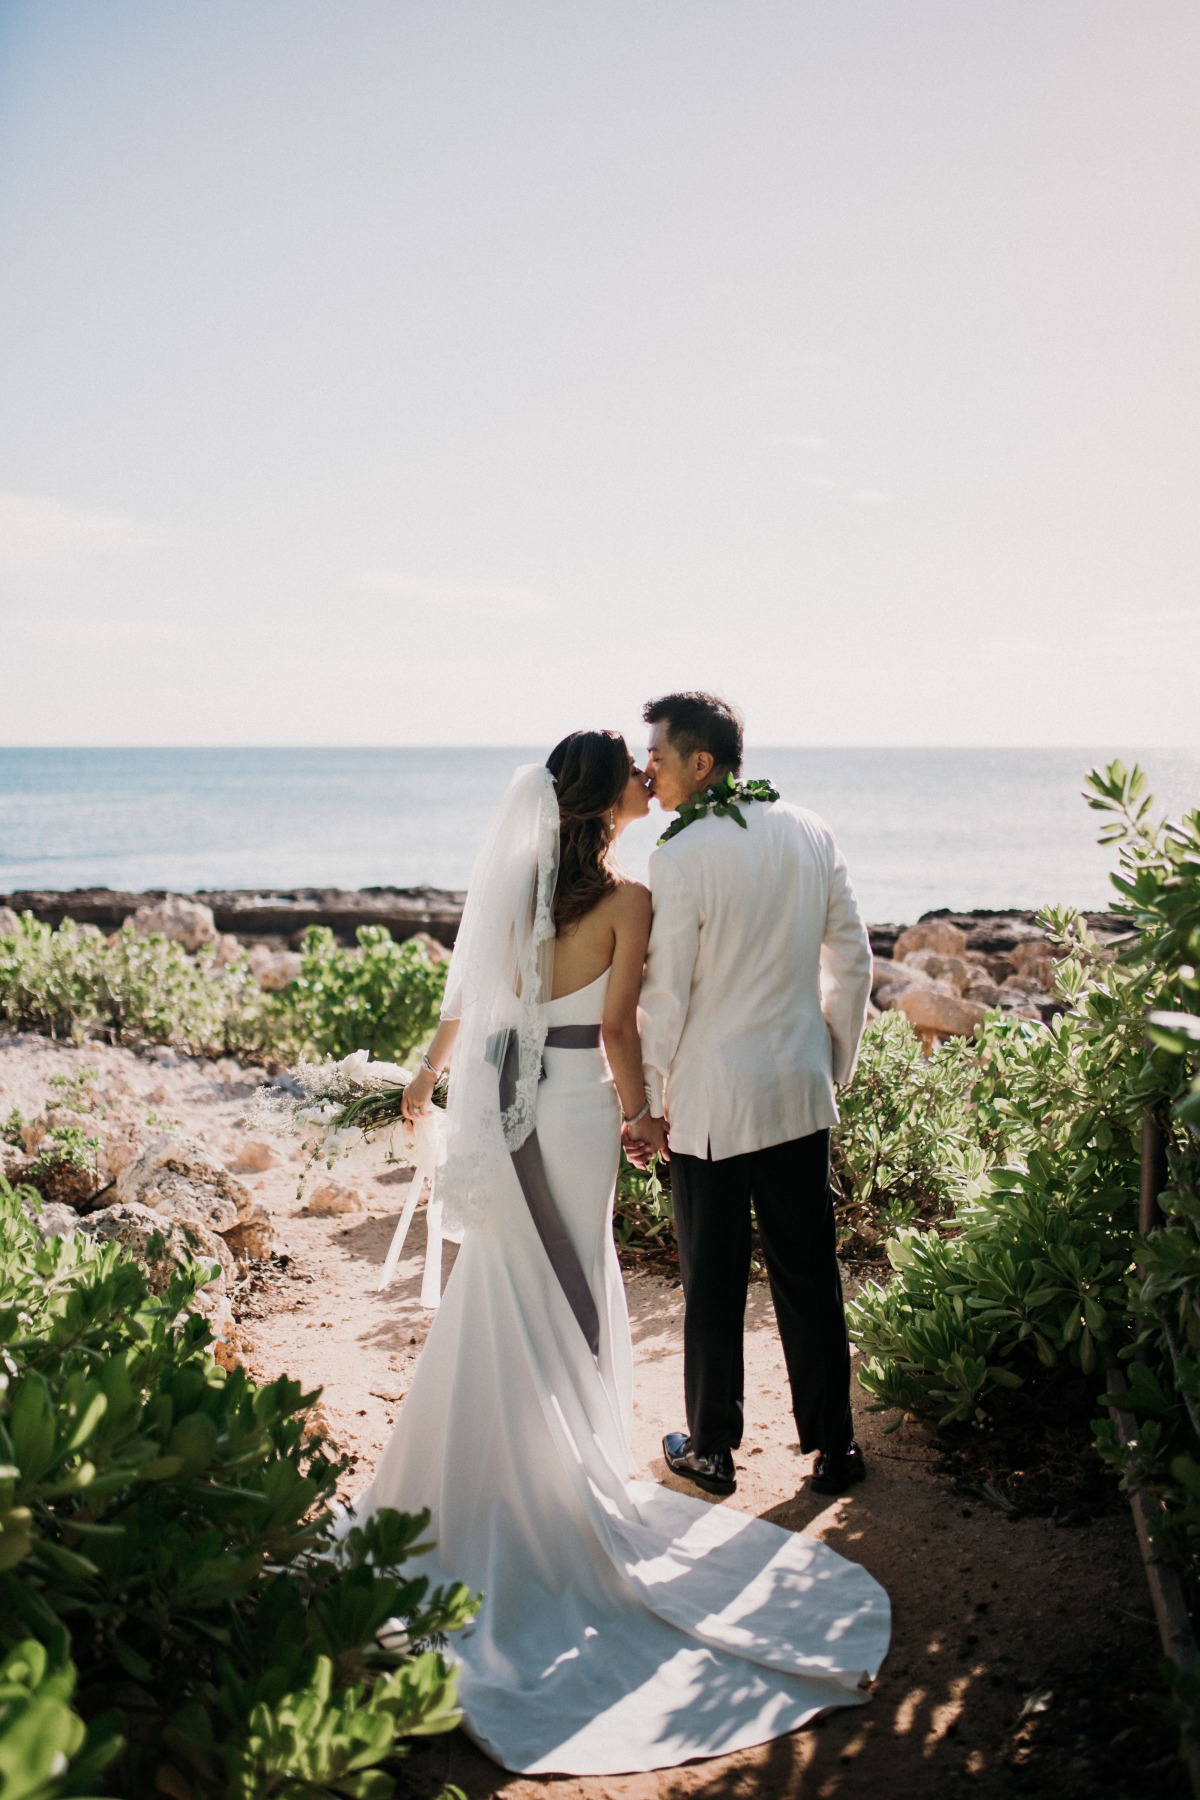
757	980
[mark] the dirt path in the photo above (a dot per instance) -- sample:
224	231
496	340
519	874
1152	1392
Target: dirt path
1018	1645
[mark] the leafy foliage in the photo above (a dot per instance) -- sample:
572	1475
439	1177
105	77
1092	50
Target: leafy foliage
383	997
174	1609
907	1142
1033	1268
380	996
76	984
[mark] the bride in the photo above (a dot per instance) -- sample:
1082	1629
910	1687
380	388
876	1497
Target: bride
624	1626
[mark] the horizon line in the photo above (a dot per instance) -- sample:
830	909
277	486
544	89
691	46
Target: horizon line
1117	749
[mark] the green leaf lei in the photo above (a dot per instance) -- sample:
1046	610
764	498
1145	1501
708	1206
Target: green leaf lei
721	799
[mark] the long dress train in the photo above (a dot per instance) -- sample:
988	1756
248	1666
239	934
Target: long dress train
624	1626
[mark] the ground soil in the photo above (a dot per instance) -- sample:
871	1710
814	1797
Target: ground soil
1023	1635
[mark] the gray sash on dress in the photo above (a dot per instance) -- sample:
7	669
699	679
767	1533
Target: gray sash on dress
531	1173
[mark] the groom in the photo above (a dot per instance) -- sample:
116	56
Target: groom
754	1000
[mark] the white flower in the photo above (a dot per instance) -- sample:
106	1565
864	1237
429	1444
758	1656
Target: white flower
386	1074
354	1066
341	1143
319	1117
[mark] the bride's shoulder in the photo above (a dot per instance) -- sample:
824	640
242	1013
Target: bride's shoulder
630	899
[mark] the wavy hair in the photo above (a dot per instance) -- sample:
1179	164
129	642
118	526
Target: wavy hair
590	770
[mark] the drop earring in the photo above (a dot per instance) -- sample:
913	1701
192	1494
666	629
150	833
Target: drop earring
612	818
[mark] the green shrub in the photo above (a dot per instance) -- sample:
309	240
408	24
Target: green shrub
1034	1267
77	984
173	1606
907	1143
380	996
383	996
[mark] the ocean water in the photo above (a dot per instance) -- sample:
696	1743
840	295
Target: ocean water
919	828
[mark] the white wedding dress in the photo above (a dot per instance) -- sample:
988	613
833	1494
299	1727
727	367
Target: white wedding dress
624	1626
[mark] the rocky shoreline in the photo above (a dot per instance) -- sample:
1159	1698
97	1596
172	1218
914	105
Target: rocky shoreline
279	917
276	918
943	973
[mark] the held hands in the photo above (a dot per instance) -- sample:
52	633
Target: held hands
645	1140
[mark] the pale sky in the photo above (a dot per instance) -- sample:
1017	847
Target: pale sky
402	371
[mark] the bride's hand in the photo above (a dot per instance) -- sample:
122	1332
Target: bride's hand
418	1096
645	1140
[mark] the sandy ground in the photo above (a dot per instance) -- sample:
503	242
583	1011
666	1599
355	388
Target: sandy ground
1018	1644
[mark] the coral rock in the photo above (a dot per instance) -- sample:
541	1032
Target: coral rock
188	922
161	1244
253	1238
274	969
936	1014
934	934
981	988
331	1199
953	970
54	1220
177	1176
252	1156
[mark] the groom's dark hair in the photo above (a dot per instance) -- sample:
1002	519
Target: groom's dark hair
697	721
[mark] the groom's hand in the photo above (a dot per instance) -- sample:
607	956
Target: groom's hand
646	1140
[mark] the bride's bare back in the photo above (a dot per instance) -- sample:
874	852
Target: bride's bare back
585	949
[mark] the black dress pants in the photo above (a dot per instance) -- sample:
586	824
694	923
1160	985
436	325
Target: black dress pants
788	1185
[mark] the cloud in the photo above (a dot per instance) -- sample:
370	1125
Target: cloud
798	440
469	599
43	536
874	496
814	481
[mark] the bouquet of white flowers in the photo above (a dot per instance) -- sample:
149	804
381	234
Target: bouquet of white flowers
351	1110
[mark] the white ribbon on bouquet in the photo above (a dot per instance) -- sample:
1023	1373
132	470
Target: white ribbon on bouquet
427	1136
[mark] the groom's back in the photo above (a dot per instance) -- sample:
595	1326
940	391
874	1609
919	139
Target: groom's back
755	1063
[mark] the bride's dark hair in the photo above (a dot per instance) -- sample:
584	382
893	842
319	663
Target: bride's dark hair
590	770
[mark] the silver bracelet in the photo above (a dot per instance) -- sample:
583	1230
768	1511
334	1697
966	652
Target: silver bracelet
637	1117
426	1064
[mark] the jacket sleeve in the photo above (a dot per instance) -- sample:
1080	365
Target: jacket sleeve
667	988
845	971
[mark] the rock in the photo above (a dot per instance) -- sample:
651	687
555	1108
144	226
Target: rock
252	1156
54	1220
894	978
1035	960
187	922
935	934
437	953
9	922
331	1200
138	1228
253	1238
1022	995
63	1184
116	1154
981	989
936	1014
177	1176
953	970
274	969
227	950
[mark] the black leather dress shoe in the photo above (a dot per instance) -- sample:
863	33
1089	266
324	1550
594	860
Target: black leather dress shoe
712	1473
838	1470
